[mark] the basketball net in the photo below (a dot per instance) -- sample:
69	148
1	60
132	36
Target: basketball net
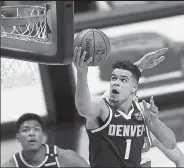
26	22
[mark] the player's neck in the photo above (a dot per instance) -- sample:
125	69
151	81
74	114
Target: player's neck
34	158
126	106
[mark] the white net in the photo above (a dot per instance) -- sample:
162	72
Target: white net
26	22
18	73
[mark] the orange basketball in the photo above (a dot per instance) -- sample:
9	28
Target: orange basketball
95	43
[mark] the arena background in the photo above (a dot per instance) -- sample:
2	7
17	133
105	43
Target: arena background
23	83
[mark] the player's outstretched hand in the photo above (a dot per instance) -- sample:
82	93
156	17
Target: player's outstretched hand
151	59
79	58
151	110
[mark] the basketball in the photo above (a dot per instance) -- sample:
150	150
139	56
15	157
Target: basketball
95	43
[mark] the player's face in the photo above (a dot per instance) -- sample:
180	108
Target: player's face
30	135
122	85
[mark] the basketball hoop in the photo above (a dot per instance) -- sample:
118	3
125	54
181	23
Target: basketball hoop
39	33
29	23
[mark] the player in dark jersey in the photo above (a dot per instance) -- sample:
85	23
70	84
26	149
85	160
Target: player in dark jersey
145	157
35	153
175	155
115	126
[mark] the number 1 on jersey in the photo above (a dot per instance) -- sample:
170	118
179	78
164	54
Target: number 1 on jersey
128	145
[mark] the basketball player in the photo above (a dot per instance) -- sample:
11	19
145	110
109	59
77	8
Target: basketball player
175	155
115	126
35	153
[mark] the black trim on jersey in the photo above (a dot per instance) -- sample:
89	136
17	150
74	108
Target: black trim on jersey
50	155
107	102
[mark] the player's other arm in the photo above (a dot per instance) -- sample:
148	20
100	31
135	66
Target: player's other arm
71	159
151	59
164	134
175	155
9	163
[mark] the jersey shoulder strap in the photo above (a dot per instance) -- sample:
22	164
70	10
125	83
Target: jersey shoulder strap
52	156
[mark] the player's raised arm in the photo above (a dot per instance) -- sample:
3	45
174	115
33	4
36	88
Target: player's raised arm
83	98
164	134
151	59
82	95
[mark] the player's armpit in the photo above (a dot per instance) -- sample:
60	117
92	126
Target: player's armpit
93	118
9	163
97	105
95	111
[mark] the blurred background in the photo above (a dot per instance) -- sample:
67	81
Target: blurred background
134	28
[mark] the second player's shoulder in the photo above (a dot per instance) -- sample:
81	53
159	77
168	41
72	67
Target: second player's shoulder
67	153
9	163
71	158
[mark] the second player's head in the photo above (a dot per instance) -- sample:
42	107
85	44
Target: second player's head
30	131
124	81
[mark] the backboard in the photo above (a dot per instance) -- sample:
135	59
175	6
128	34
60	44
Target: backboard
42	33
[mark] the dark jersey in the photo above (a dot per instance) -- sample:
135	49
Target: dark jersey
51	158
119	140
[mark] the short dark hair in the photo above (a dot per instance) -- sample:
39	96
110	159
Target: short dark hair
128	65
27	117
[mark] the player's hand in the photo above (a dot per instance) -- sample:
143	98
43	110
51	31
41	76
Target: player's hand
79	58
150	110
151	59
